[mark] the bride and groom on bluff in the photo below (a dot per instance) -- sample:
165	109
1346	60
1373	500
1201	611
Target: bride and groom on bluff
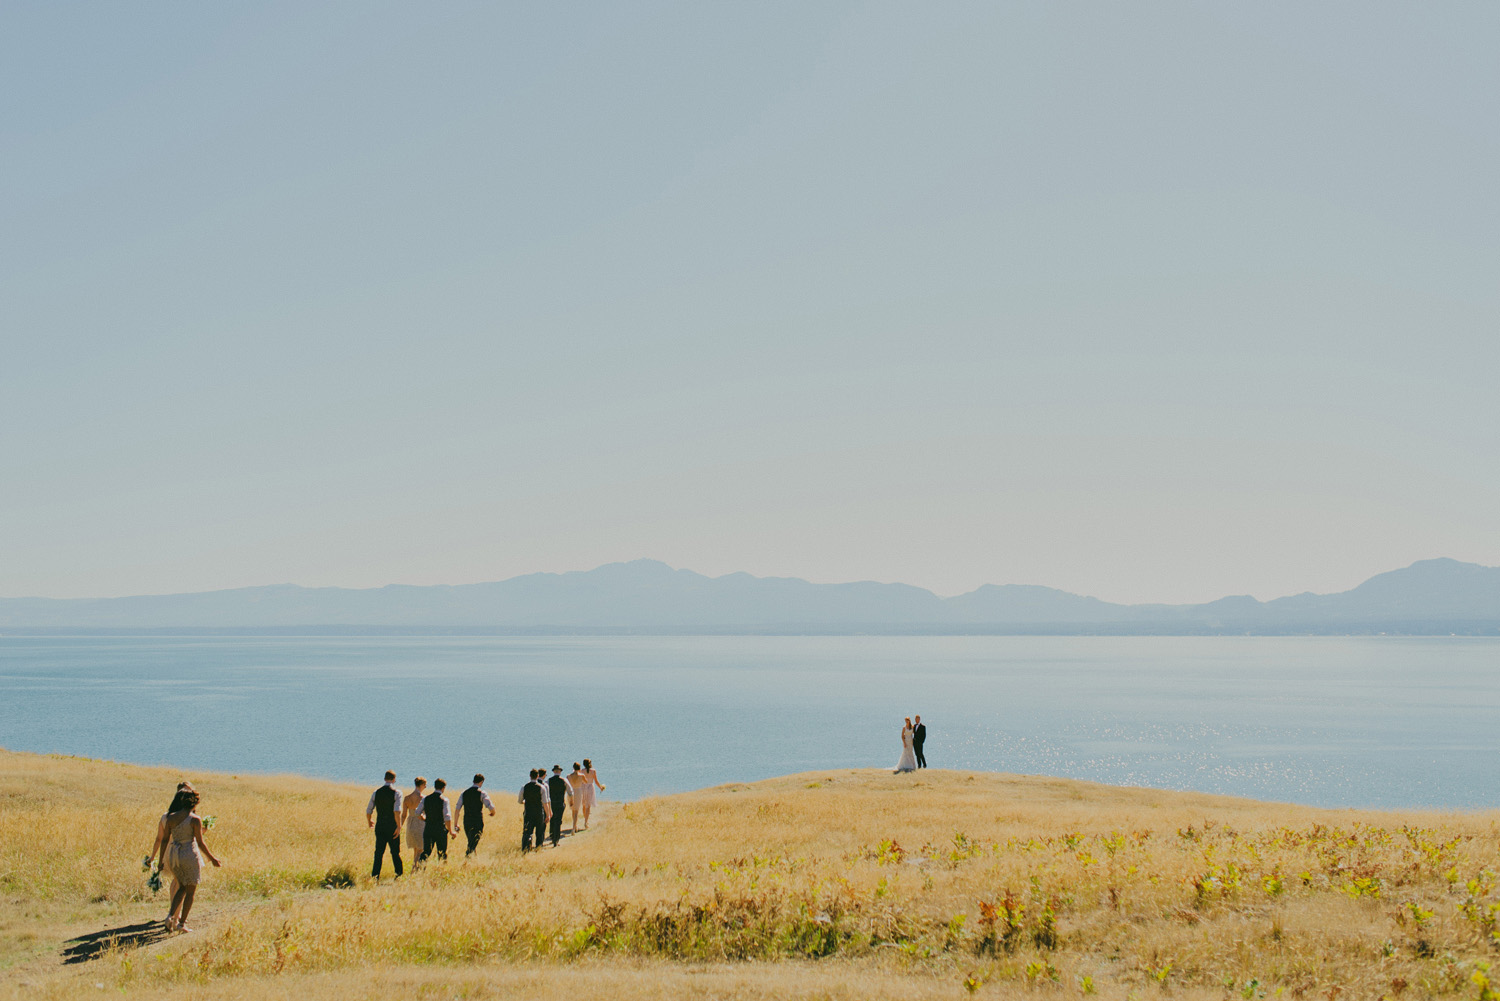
912	739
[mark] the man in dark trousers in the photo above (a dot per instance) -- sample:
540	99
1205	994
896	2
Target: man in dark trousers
533	798
380	814
918	736
437	822
471	805
559	792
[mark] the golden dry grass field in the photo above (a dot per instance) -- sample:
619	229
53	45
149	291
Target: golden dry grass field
843	884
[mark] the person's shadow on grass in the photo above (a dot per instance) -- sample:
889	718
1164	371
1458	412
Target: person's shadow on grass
92	946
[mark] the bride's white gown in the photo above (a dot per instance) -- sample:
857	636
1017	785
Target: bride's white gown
908	761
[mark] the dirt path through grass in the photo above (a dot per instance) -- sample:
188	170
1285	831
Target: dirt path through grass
140	925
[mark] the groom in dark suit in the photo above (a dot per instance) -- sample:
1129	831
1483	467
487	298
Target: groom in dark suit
918	735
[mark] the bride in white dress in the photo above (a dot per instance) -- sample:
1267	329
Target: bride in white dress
908	761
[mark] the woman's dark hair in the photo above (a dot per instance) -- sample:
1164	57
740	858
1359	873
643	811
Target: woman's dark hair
186	799
576	766
176	796
587	763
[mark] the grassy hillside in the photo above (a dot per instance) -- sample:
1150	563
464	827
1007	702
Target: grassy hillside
828	885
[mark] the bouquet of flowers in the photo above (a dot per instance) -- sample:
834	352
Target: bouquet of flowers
208	822
153	881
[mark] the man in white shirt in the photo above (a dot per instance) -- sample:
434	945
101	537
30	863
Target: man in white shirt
472	803
382	813
537	813
437	821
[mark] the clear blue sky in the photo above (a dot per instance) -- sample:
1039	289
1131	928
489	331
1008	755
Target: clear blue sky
1151	302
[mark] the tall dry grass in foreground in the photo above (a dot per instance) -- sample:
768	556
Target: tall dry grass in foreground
832	884
73	832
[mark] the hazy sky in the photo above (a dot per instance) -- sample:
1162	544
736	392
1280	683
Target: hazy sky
1151	302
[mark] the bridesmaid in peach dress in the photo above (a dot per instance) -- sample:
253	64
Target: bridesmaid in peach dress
576	783
185	840
411	811
159	846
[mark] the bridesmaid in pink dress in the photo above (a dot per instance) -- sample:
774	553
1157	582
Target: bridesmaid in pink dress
591	783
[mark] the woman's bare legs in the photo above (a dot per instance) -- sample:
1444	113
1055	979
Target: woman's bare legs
575	813
594	786
172	897
187	905
178	892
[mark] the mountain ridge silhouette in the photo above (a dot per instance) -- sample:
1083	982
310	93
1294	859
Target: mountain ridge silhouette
1429	596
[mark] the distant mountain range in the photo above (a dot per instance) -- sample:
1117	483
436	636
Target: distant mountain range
1430	597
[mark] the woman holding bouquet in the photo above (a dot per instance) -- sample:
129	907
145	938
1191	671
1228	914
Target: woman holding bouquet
159	846
184	839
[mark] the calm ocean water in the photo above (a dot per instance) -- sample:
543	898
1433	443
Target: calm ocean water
1377	721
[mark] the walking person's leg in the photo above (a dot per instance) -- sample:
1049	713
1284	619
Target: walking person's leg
473	834
395	844
188	892
178	895
175	890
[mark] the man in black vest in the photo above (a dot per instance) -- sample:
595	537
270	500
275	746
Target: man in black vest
437	822
918	736
472	804
538	811
381	815
559	792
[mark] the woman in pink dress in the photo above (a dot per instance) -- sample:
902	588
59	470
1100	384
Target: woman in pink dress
591	787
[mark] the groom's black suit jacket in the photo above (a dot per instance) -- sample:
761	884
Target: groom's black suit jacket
919	735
